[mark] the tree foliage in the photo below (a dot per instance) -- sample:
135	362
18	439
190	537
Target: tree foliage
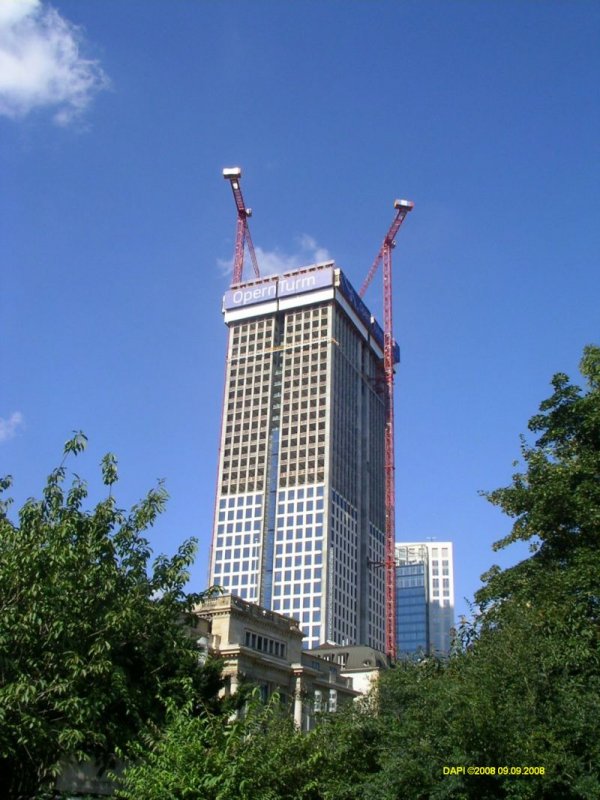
258	756
556	501
91	640
521	687
524	688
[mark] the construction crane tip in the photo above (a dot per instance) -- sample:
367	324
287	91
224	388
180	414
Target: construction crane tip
231	173
404	204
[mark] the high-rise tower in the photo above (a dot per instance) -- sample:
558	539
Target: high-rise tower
300	508
424	597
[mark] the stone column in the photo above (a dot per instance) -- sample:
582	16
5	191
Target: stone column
298	704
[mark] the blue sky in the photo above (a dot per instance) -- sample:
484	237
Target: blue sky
116	119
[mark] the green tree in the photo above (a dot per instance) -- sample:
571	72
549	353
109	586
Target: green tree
542	616
92	643
556	501
258	756
524	687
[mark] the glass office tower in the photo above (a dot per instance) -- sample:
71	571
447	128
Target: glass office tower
300	507
424	598
412	618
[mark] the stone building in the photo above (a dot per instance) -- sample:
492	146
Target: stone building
264	648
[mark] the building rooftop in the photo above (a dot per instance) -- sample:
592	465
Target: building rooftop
303	286
353	657
235	606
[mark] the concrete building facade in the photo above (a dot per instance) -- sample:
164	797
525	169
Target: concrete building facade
300	512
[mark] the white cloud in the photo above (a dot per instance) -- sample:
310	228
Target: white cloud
9	427
274	262
41	65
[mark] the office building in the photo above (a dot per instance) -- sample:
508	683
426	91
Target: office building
424	598
300	507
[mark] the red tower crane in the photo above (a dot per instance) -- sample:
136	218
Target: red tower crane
389	564
242	232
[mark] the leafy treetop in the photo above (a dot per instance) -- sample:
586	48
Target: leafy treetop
91	637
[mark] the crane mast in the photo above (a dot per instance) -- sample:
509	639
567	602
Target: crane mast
384	256
242	232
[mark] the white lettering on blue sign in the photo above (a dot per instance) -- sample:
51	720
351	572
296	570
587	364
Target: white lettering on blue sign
248	295
284	286
242	297
303	283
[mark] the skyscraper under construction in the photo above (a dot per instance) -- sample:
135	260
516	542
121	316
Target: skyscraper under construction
300	507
